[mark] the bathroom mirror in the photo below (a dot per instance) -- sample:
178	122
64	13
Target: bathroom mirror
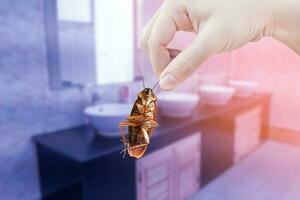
89	42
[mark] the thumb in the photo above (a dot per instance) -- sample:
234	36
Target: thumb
206	43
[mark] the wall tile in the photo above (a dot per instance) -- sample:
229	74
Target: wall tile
276	68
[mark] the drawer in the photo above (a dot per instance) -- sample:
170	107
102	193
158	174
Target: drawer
251	124
249	121
251	114
242	152
247	133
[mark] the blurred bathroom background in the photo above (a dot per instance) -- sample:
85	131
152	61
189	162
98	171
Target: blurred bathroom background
60	56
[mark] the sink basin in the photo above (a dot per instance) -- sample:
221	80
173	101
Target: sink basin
177	104
216	95
106	117
244	88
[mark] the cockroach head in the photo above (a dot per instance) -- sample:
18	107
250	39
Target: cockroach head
146	93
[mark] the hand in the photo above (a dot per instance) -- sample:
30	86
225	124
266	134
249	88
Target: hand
221	25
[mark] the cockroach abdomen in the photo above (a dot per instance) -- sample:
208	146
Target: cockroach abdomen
137	152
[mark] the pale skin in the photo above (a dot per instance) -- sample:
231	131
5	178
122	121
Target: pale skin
220	25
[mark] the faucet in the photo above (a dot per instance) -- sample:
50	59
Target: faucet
124	94
96	98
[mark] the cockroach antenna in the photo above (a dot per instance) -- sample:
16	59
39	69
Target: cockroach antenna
156	84
141	76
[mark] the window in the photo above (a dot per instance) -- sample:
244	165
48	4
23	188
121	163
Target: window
114	40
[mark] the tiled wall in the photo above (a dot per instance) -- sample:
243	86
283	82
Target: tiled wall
27	105
277	69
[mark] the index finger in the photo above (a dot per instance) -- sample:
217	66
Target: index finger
162	33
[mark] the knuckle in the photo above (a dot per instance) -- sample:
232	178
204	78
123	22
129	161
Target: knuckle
180	9
216	43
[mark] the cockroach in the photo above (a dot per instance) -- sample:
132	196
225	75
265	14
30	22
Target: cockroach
141	122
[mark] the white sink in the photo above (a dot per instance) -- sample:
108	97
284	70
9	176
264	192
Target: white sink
216	95
177	104
244	88
106	117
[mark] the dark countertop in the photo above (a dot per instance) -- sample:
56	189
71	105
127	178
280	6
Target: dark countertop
83	143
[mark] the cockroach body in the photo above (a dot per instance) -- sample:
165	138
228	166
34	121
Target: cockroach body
141	123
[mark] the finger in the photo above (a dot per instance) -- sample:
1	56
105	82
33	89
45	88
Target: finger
146	31
204	45
162	33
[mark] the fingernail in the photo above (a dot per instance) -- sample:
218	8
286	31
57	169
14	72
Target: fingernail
168	82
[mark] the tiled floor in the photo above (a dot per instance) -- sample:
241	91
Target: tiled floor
272	172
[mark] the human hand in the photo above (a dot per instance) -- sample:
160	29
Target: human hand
221	25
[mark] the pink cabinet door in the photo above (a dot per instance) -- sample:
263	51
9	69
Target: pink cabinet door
187	167
247	132
172	173
154	176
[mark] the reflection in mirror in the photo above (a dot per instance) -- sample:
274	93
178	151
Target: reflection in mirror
89	42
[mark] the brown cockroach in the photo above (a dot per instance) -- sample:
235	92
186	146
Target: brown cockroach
141	123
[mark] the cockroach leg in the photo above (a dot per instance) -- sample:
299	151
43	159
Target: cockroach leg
121	124
126	146
149	101
153	123
137	146
149	114
145	135
125	149
123	135
128	124
135	118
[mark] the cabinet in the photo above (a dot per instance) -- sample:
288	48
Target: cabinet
247	132
171	173
187	167
229	138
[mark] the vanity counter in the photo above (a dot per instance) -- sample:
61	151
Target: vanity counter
83	143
